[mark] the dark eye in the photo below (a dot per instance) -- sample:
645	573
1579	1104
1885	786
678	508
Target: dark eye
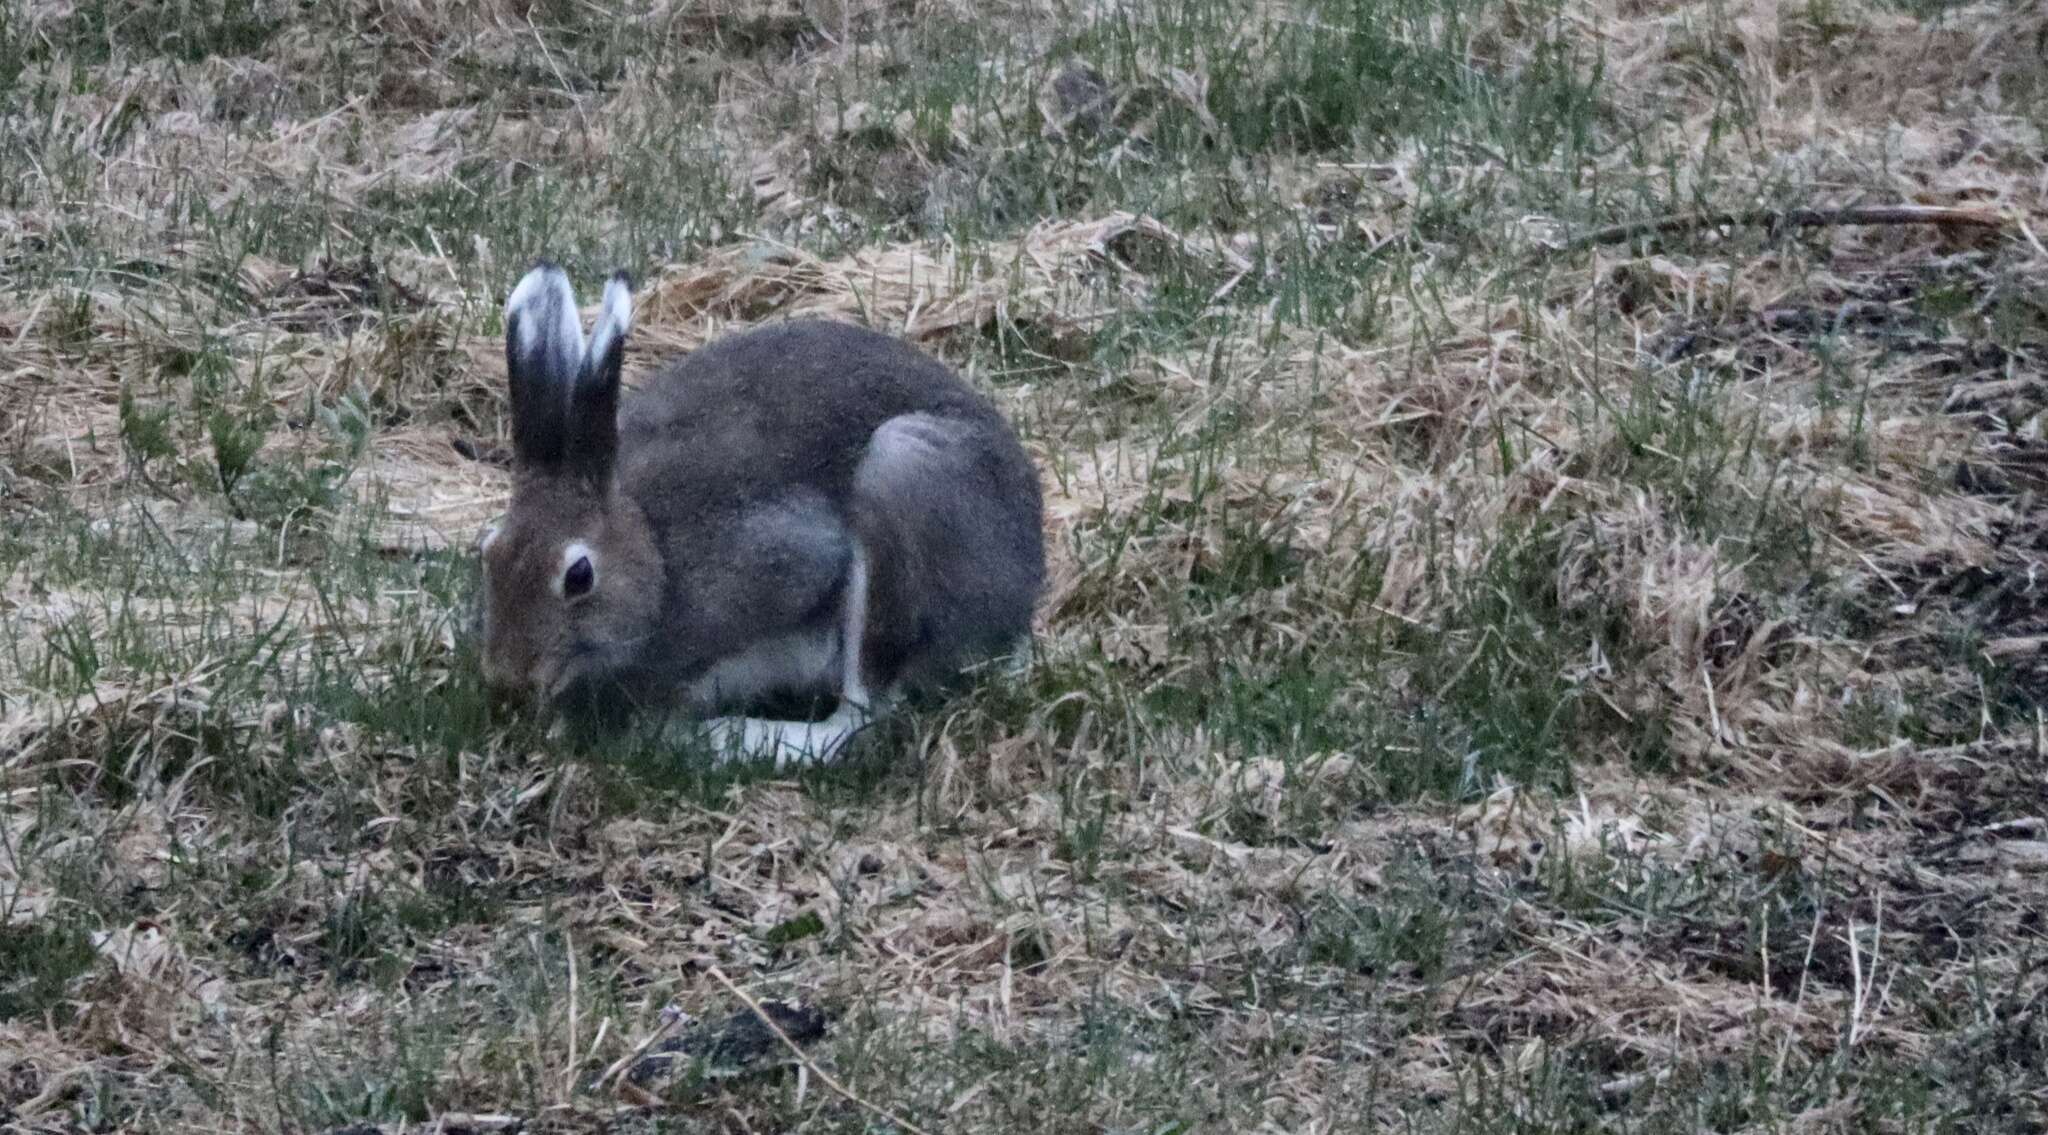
579	579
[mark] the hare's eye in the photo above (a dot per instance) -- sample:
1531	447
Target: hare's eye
579	571
579	579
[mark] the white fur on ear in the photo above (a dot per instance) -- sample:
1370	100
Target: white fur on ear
615	319
544	305
484	538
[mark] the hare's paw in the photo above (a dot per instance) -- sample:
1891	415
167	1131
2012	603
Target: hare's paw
786	743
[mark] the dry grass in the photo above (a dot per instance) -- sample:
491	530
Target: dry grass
1487	683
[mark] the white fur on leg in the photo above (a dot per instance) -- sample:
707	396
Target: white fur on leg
853	631
803	742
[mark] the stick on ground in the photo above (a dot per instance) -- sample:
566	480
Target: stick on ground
1790	219
803	1058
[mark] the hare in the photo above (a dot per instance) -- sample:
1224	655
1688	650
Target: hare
810	510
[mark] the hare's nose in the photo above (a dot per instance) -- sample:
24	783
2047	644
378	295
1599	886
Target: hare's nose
505	686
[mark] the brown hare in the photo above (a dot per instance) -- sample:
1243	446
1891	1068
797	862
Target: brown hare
808	510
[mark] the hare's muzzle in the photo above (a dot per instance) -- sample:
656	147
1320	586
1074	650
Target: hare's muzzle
507	688
591	703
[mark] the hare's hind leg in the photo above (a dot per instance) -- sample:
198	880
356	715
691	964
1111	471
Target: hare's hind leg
802	742
948	559
947	509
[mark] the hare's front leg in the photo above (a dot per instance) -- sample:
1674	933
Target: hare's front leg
804	742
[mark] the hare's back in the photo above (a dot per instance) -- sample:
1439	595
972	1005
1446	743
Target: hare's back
790	401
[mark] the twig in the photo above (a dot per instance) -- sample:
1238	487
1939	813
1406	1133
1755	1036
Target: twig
1713	708
1630	1084
476	1121
672	1018
569	1077
1789	219
2027	230
1764	950
1858	988
804	1059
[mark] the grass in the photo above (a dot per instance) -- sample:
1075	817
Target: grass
1482	688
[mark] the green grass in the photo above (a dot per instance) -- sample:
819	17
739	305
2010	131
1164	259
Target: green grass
36	965
1382	511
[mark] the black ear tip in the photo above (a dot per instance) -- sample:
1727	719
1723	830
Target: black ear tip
621	276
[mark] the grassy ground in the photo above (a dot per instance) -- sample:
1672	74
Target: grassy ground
1489	683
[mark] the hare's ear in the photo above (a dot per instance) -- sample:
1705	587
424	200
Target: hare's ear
543	355
594	405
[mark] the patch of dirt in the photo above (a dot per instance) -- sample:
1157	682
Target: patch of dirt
336	297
